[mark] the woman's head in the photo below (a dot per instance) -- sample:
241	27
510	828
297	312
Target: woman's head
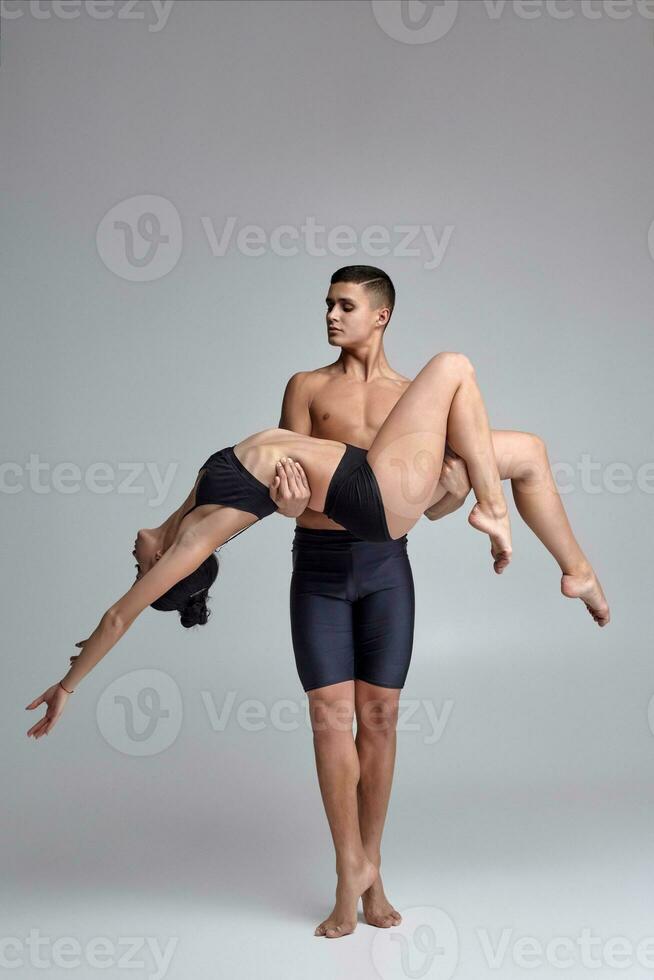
188	596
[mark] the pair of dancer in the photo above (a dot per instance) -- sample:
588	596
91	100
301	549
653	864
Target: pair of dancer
378	495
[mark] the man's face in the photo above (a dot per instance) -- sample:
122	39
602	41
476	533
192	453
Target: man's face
350	319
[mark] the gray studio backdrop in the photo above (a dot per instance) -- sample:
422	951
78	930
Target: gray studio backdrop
178	184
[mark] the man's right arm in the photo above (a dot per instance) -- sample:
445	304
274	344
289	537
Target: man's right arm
295	405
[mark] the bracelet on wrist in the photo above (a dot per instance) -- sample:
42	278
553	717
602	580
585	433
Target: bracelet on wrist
66	689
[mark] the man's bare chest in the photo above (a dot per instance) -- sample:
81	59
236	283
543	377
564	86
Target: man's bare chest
352	413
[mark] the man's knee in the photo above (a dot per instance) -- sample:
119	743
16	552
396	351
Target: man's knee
377	718
330	714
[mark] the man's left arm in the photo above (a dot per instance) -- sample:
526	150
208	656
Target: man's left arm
455	484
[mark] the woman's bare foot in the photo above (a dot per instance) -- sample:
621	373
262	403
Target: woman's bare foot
377	910
352	883
585	585
496	525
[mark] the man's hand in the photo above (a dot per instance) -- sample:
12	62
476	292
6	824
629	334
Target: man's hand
454	475
290	488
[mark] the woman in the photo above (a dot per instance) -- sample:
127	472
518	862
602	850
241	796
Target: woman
378	495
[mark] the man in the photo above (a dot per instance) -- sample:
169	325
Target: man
352	602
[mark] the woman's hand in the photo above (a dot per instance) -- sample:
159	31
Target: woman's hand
55	698
290	488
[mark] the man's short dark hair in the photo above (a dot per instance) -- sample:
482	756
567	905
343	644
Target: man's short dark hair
375	281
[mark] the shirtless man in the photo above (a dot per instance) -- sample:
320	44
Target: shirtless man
352	605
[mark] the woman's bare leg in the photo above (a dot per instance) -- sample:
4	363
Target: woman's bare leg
407	452
522	458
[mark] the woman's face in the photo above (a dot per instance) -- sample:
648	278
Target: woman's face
146	551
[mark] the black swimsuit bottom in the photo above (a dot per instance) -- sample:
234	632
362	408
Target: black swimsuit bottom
226	481
353	496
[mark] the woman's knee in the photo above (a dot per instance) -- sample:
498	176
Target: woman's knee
455	363
533	464
537	447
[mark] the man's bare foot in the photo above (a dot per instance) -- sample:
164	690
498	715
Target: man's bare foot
377	910
352	883
498	528
585	585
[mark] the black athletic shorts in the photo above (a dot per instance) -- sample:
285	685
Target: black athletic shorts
352	608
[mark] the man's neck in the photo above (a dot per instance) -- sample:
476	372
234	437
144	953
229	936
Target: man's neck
365	362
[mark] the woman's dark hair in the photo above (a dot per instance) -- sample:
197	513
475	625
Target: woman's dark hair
189	595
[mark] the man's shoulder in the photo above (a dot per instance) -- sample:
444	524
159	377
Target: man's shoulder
306	379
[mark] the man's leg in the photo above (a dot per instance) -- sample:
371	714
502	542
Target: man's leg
337	762
376	711
383	617
321	601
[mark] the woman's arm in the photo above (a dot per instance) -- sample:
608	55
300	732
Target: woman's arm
182	558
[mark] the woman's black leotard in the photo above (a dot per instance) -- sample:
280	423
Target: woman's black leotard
353	496
226	481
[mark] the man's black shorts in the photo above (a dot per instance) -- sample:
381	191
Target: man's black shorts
352	608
